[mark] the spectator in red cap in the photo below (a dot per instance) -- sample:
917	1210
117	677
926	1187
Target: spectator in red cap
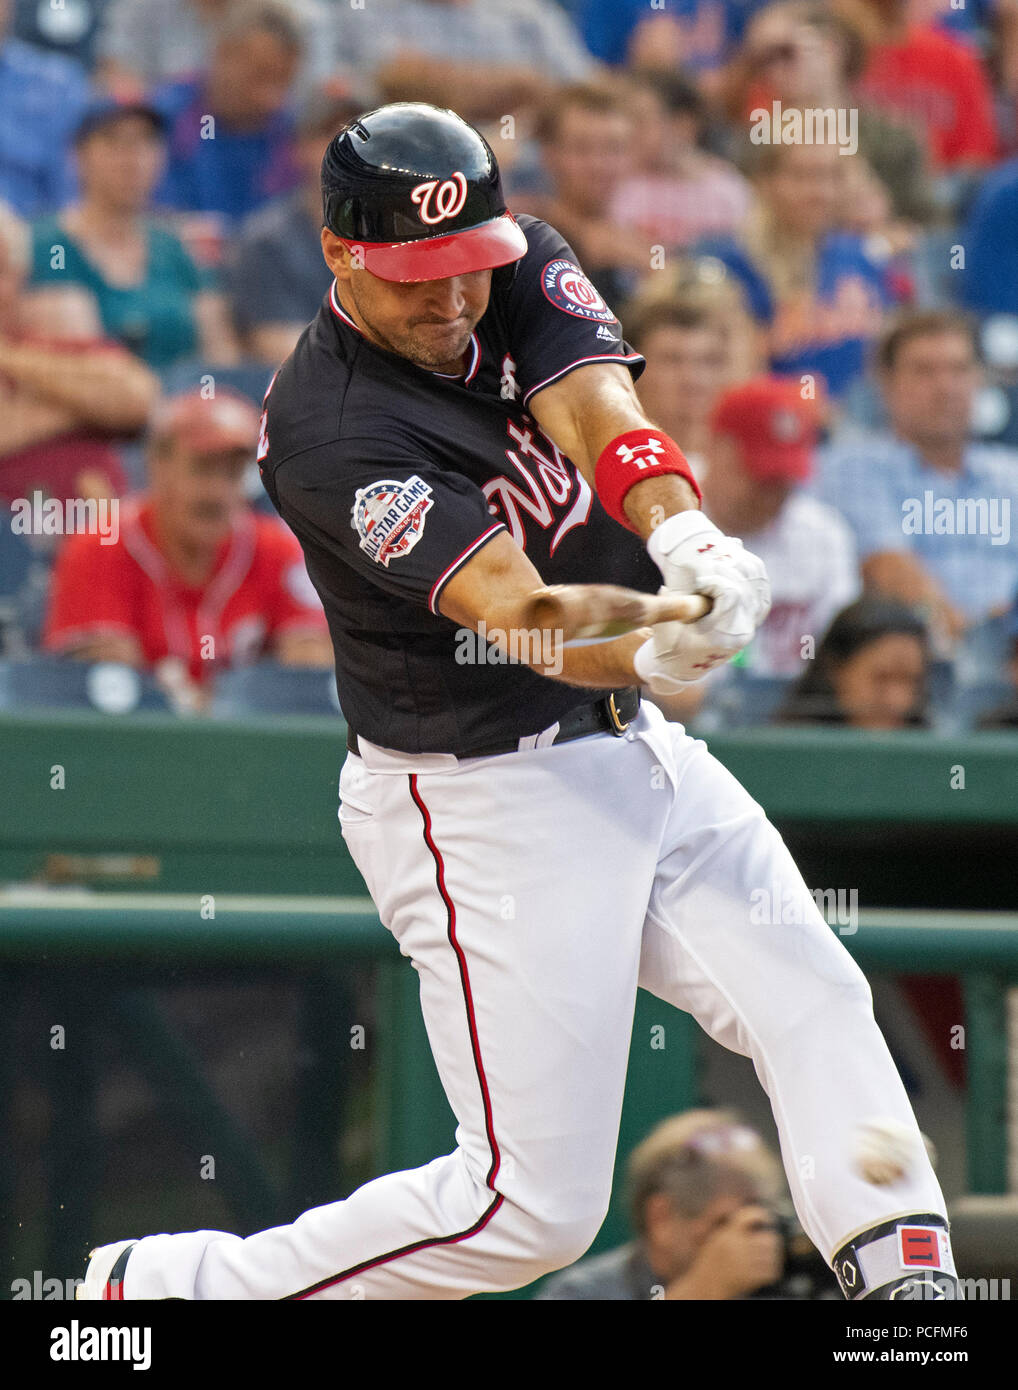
197	581
764	434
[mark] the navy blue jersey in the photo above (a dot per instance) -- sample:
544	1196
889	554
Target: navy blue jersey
392	476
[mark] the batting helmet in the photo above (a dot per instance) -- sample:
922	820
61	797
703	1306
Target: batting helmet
418	190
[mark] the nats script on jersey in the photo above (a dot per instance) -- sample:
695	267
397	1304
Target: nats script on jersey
392	477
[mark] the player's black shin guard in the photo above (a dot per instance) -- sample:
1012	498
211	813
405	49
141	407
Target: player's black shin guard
908	1258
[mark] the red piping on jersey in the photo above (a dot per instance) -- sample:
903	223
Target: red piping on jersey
339	311
580	362
489	1128
465	555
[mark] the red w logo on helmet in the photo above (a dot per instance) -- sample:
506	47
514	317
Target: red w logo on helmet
440	200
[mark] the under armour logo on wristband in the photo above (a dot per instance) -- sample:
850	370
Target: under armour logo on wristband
628	452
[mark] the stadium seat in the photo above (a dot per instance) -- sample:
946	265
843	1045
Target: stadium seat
63	26
17	573
996	413
268	688
737	699
760	698
53	682
972	703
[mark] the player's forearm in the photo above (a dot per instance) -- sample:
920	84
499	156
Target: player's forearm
596	666
648	503
588	410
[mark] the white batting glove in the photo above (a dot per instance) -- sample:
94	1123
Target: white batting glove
679	654
694	557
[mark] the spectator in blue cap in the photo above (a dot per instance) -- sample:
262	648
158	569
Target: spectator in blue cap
149	294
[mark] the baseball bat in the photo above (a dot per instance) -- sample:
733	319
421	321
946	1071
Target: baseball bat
608	610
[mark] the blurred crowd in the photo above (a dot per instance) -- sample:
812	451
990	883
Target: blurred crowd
805	215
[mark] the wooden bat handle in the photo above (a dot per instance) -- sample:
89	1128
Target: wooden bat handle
607	610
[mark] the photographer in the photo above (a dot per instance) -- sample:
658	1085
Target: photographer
705	1194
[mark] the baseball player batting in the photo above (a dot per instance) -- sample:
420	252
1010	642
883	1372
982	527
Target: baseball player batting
457	443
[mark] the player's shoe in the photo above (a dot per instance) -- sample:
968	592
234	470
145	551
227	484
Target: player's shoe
906	1258
104	1273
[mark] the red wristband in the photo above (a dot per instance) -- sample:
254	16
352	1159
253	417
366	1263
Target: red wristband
632	458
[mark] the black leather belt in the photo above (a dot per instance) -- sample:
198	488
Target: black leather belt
612	714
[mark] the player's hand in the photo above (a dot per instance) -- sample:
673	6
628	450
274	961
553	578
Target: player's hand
743	1254
678	654
694	557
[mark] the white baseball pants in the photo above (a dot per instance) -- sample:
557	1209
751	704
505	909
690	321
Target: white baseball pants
532	893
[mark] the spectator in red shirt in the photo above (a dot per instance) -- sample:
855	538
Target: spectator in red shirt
196	580
928	78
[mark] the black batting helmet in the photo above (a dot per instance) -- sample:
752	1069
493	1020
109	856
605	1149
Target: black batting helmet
418	191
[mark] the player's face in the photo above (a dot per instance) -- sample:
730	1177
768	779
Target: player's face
881	684
429	323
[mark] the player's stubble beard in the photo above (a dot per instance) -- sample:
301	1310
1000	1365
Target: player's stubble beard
413	345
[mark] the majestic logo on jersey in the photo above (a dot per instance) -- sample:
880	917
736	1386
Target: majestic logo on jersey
550	483
440	201
566	286
389	517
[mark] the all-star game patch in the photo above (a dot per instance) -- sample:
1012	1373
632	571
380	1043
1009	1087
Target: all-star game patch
566	286
389	517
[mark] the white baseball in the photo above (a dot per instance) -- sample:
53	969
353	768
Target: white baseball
884	1151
